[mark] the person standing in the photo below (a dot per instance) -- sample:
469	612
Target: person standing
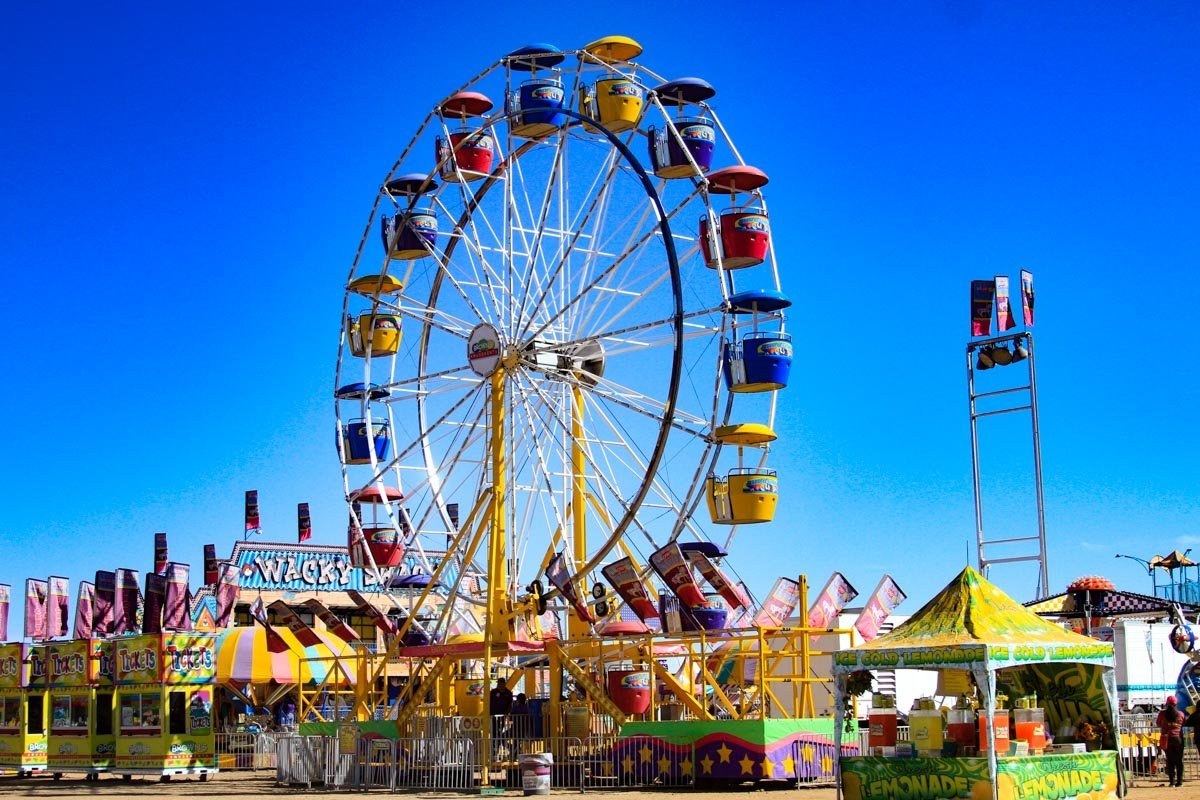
1170	739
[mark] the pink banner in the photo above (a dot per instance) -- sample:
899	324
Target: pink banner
83	610
177	614
560	578
58	619
1027	297
125	606
275	642
304	634
332	622
672	567
252	520
226	593
884	600
830	602
779	605
381	620
5	602
983	296
152	608
732	593
625	581
303	523
36	593
210	565
106	594
160	553
1004	316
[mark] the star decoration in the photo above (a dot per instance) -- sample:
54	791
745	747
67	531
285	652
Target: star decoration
664	765
807	752
789	767
706	765
646	754
724	752
685	766
627	763
826	765
768	767
747	765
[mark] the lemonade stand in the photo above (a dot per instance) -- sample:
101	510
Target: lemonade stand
22	709
164	705
81	738
973	627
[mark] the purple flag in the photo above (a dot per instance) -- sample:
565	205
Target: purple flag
83	610
176	614
152	608
210	565
252	521
57	618
1027	297
5	602
303	523
125	604
35	608
983	296
106	598
160	552
1004	315
226	593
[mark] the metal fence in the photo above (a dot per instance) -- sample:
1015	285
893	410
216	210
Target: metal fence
247	750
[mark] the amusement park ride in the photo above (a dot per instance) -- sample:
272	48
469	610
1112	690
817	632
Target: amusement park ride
574	332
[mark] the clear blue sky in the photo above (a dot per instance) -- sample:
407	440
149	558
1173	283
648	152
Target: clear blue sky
184	188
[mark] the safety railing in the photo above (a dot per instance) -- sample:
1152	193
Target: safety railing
246	750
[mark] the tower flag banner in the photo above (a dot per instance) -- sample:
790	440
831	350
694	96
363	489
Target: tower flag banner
884	600
1004	316
58	618
983	295
779	605
252	521
176	616
84	605
626	583
1027	297
560	578
672	567
5	602
160	553
106	596
303	523
830	602
35	608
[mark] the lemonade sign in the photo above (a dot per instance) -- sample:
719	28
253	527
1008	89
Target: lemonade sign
1082	776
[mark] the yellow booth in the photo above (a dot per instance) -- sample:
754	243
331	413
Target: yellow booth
164	701
22	709
81	736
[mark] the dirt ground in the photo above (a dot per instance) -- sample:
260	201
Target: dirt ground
262	784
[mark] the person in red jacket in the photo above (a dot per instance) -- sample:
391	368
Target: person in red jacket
1170	729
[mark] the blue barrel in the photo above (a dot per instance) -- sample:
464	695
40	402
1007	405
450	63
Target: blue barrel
539	102
409	237
762	363
356	445
670	160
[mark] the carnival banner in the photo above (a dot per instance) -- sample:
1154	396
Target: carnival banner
152	607
5	602
333	623
625	582
382	621
226	593
84	604
36	593
732	593
252	521
58	619
160	553
668	561
560	578
275	642
1004	316
779	605
303	523
290	619
830	602
106	598
210	565
884	600
1027	297
983	295
176	605
125	605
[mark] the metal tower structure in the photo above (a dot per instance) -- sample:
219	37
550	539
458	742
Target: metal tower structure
1017	399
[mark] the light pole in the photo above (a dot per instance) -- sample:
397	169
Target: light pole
1149	570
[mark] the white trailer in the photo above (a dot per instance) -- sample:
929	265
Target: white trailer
1147	666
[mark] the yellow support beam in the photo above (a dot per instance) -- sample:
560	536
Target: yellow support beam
593	691
683	694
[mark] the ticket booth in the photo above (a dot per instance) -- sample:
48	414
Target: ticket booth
81	737
164	705
22	709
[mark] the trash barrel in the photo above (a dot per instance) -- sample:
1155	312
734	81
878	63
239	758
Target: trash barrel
535	773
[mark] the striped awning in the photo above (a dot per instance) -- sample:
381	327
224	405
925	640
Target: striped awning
244	658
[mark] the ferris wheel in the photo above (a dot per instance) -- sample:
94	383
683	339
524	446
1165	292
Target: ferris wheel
562	343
